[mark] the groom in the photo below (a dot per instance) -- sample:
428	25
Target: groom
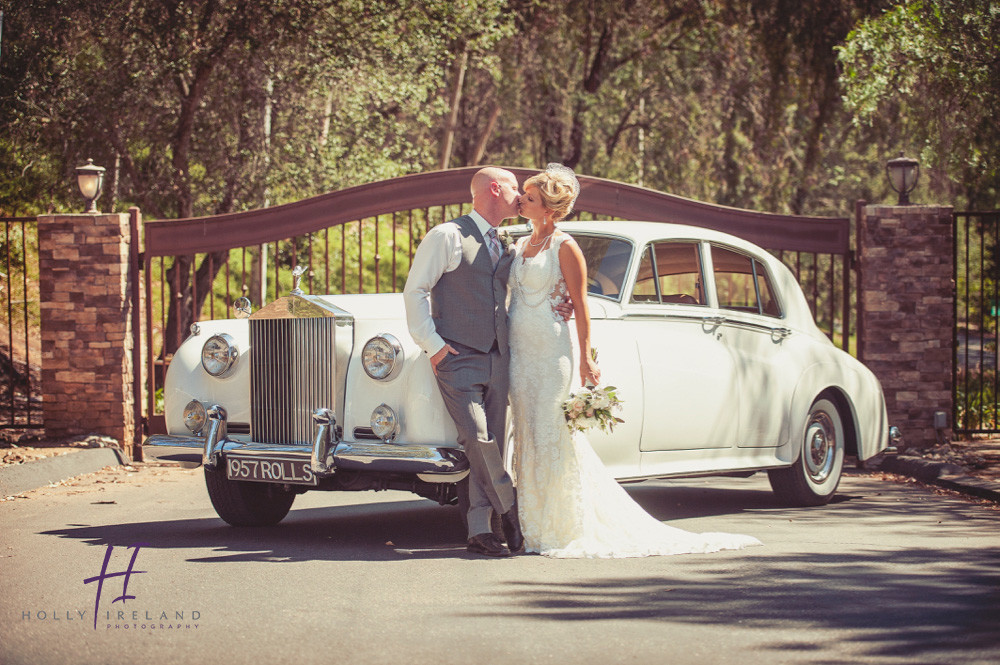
456	309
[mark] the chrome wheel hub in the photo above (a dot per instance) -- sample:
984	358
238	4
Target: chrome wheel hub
820	447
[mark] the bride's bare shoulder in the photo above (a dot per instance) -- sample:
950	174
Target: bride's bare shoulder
565	241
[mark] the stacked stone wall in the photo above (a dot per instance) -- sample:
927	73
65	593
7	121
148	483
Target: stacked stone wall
86	332
906	275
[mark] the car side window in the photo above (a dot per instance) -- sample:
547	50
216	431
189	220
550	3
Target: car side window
742	283
670	272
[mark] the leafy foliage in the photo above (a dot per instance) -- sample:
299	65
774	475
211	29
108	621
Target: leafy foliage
932	67
200	107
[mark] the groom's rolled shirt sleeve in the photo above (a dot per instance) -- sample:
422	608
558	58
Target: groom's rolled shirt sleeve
439	252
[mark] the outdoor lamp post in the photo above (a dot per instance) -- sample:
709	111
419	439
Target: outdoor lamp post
90	178
903	173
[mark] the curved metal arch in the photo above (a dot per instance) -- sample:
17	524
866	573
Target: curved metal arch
598	196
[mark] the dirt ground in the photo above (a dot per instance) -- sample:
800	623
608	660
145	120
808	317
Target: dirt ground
21	448
979	457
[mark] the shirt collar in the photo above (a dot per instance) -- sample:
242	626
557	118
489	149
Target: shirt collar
481	223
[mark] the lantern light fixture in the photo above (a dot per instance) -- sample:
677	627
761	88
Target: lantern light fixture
90	178
903	173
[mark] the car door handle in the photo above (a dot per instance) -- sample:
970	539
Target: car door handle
713	321
781	333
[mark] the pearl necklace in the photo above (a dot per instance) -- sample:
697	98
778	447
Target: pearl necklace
539	244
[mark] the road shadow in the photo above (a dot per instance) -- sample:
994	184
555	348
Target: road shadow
915	606
418	528
375	531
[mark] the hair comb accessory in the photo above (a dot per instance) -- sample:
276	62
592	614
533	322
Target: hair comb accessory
555	167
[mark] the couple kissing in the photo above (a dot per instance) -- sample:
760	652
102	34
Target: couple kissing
485	355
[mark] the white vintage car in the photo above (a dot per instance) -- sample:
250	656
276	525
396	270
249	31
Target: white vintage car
708	338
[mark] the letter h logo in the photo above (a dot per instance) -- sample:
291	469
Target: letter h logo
106	575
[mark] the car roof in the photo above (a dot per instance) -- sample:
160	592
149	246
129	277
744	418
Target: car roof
796	308
643	232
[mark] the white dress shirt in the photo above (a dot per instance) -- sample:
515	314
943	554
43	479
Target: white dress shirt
439	252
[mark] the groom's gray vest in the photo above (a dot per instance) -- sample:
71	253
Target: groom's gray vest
469	304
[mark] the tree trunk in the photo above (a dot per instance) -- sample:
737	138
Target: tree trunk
186	302
184	305
456	100
484	138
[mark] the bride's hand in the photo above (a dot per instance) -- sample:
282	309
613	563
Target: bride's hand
590	373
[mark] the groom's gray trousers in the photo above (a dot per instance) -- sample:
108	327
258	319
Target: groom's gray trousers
474	386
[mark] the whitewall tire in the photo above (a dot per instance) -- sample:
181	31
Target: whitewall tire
813	477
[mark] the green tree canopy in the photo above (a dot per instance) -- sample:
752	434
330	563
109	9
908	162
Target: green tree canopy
929	70
205	106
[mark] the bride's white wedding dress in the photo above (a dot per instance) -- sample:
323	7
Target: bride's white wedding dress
569	503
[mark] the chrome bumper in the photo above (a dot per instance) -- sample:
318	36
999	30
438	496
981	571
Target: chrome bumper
325	456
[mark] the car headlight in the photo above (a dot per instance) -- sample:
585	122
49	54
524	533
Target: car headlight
195	416
384	423
382	357
219	354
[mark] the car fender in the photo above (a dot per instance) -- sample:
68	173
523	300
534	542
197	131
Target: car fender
186	379
858	393
413	394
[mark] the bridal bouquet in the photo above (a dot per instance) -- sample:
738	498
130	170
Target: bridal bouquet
587	408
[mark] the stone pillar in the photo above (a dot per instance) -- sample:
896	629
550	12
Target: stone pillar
907	311
86	326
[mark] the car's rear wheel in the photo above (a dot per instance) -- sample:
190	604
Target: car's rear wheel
814	476
242	503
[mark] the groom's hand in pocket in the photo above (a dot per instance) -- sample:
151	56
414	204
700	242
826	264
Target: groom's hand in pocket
439	356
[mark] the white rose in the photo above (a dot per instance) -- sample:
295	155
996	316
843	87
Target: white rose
601	401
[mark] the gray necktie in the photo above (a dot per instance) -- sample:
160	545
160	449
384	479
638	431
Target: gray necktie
493	244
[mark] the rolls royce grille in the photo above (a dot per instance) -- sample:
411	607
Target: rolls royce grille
291	375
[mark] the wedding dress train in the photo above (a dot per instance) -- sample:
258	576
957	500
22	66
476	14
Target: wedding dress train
569	504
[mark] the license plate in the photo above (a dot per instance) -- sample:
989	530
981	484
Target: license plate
270	470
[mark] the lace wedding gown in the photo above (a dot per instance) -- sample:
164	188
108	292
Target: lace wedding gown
570	505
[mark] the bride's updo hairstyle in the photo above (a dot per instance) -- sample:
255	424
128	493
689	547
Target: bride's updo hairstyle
558	187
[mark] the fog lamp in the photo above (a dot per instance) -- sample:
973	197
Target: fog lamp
384	423
195	416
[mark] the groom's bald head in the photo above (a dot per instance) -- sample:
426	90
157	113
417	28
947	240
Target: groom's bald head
485	177
495	194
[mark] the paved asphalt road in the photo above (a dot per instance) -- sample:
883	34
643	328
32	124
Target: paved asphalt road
889	573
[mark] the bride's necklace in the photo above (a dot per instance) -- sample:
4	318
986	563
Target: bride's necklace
542	242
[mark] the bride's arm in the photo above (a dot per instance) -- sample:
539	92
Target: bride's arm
574	271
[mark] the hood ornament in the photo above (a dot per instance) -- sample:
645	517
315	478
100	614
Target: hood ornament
297	273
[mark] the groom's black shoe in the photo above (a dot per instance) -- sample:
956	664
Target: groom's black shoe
512	530
487	544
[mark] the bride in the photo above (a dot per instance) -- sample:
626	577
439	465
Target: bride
568	502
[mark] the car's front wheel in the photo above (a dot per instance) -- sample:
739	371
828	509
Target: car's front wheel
814	476
243	503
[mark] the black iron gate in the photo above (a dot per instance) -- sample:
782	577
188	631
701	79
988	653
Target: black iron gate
362	239
20	353
975	379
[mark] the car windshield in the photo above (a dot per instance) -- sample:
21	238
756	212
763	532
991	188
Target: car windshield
607	262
